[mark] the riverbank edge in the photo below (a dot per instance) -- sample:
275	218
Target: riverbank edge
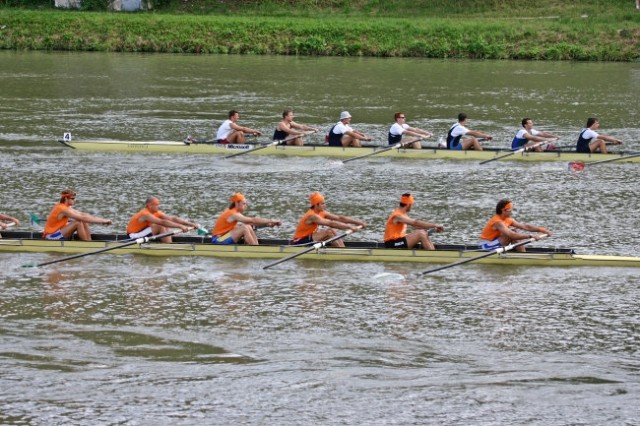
560	38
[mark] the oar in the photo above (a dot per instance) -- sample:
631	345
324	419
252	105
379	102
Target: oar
105	249
316	246
274	143
579	165
517	151
396	146
482	256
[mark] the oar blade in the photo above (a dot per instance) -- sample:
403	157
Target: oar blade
575	166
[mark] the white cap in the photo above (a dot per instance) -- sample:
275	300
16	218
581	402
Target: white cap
344	114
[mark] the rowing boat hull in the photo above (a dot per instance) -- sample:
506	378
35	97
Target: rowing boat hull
335	152
367	252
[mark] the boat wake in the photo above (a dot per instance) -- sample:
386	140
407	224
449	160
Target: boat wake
388	277
334	163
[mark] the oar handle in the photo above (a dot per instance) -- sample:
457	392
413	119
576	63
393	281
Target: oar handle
293	137
316	246
517	151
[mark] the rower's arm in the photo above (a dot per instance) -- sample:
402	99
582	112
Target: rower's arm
477	134
610	139
86	217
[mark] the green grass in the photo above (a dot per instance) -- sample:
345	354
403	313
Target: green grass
506	29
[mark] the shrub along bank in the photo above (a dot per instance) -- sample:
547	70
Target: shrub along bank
509	34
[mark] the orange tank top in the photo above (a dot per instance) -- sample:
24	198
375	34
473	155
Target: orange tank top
393	231
304	229
54	223
137	226
222	226
490	234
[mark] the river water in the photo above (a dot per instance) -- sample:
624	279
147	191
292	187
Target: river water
141	341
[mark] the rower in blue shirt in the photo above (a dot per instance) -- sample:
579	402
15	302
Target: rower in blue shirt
529	137
458	130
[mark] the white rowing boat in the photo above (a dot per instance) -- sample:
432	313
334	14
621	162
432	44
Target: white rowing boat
427	153
24	241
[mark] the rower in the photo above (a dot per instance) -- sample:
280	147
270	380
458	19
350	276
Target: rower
342	134
289	129
308	232
231	132
530	138
498	233
458	130
232	227
152	221
590	141
395	233
58	225
401	128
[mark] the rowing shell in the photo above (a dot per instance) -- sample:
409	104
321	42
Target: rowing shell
432	153
275	249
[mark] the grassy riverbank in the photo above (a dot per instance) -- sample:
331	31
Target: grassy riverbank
588	30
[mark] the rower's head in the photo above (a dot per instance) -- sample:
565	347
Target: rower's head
234	115
527	122
504	207
399	117
591	121
462	117
345	117
238	201
406	201
287	114
317	200
67	196
153	204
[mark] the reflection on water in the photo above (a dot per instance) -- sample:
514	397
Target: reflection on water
140	97
166	343
139	340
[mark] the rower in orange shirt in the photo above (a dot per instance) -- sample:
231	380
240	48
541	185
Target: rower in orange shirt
498	233
307	230
152	221
395	233
233	227
58	225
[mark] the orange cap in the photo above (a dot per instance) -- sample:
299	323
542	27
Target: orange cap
67	193
237	197
316	198
406	199
508	206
